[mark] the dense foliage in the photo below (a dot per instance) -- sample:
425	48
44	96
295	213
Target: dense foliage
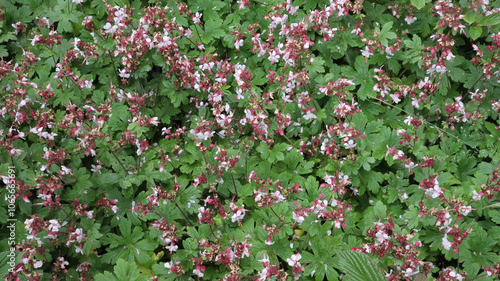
250	140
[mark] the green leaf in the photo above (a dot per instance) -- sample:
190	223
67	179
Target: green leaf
385	33
83	182
65	20
359	267
379	210
394	65
475	251
106	276
361	77
212	29
416	46
293	158
412	215
311	186
108	179
419	4
7	36
486	168
475	32
277	152
3	51
359	120
444	85
305	167
470	18
126	270
372	180
316	65
5	259
214	5
492	19
93	241
263	149
495	216
3	216
456	69
473	76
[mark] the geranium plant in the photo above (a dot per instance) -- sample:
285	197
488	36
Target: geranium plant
250	140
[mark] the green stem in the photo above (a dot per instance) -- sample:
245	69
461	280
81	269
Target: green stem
113	63
234	184
183	214
281	219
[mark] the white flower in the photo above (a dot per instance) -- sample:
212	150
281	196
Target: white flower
172	247
265	259
123	73
414	102
78	250
81	266
86	19
450	56
382	236
197	17
410	165
298	219
37	264
169	266
269	242
446	244
88	83
309	115
190	202
453	273
350	144
202	135
54	225
198	273
395	98
366	52
294	260
441	68
410	19
475	195
33	41
79	235
77	1
109	28
434	192
90	214
465	210
238	216
154	121
238	43
409	272
65	170
274	57
96	168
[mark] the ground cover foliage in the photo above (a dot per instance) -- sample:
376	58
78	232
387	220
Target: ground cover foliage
250	140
